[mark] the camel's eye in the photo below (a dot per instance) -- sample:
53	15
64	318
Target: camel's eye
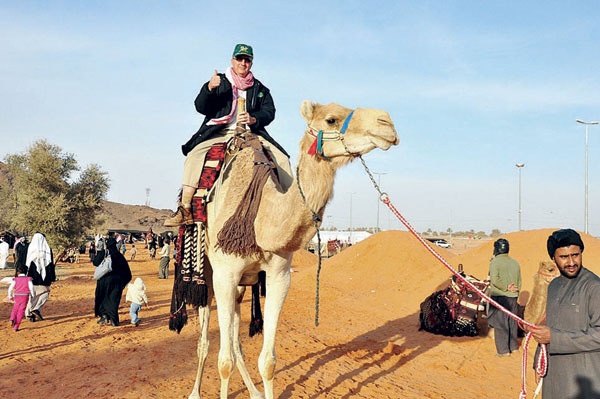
330	121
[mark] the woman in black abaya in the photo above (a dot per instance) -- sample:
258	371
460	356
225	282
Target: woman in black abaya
109	288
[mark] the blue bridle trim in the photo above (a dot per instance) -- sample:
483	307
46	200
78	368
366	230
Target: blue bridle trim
346	123
320	134
320	145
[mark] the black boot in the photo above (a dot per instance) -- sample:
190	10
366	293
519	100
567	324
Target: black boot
38	314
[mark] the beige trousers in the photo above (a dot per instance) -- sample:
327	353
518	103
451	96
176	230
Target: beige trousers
194	161
38	301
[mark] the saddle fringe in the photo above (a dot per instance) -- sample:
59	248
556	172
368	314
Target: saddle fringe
238	236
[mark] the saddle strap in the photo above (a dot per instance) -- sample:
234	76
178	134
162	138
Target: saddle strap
213	162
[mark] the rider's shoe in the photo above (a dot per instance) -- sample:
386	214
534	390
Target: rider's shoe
182	216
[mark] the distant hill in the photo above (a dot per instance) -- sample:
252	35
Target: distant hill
118	216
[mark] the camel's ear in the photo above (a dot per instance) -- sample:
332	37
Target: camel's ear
306	109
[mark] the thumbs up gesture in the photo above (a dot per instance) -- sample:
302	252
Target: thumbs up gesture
215	81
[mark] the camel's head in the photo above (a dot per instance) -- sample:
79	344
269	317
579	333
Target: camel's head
548	270
336	131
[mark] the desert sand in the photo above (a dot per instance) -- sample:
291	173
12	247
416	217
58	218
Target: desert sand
367	343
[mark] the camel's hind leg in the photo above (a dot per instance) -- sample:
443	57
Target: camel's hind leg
278	285
237	350
203	344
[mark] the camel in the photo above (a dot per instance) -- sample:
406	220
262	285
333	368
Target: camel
536	305
284	223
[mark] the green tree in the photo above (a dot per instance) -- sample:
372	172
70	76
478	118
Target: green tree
44	197
495	233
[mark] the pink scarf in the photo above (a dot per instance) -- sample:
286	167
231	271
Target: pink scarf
237	83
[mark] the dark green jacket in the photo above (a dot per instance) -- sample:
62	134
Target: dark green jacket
218	103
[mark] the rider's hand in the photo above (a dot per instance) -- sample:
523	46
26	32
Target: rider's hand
246	118
214	81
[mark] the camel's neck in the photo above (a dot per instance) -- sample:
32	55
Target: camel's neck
291	214
314	181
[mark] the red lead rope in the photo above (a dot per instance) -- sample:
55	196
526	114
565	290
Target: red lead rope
542	365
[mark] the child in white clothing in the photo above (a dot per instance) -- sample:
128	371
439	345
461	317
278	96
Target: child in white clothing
136	294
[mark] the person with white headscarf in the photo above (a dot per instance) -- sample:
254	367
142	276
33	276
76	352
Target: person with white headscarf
4	247
40	264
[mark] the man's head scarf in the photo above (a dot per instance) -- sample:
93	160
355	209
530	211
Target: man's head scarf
39	253
563	238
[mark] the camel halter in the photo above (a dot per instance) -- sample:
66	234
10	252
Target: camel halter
317	148
316	220
317	145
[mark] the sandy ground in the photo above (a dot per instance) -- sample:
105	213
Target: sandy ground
367	344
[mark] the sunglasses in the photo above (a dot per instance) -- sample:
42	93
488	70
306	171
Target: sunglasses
241	58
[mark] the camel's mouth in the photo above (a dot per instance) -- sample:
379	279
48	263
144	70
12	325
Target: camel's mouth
384	138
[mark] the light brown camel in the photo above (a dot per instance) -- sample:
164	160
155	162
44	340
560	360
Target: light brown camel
284	224
536	305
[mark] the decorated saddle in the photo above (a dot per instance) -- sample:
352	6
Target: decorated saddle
453	311
236	237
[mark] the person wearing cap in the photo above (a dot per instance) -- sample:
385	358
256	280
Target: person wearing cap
572	327
505	285
217	101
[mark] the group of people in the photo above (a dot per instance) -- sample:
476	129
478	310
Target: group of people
34	274
166	250
35	271
110	287
571	330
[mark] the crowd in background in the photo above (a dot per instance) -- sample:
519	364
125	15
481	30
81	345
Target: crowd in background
35	270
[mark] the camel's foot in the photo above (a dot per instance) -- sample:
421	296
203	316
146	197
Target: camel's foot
182	216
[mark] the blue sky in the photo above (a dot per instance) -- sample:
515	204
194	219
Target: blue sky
473	88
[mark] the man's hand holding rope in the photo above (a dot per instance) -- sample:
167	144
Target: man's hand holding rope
540	333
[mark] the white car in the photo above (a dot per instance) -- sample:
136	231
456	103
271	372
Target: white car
442	243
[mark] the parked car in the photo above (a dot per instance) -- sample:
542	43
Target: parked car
442	243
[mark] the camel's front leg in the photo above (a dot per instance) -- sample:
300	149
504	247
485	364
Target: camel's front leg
225	284
278	285
237	349
203	344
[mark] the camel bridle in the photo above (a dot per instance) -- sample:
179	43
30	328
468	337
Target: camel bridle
322	135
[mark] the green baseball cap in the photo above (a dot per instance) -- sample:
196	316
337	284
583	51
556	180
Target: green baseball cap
243	49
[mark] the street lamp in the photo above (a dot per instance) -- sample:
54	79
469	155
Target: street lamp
585	228
350	237
378	199
520	166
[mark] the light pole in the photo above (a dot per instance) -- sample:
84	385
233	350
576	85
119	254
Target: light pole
378	199
520	166
350	238
585	226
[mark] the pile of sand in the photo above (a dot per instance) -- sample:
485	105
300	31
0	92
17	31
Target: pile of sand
367	344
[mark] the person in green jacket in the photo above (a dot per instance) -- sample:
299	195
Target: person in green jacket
505	285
